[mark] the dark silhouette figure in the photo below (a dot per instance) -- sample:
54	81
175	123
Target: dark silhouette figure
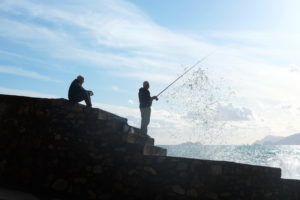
77	93
145	106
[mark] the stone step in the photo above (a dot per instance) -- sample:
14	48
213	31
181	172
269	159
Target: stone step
131	134
138	139
104	115
147	150
154	151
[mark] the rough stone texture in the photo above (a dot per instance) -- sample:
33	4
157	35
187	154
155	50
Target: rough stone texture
52	148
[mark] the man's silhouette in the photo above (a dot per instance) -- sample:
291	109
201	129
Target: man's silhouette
145	106
77	93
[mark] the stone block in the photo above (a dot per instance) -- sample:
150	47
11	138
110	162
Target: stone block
216	170
154	150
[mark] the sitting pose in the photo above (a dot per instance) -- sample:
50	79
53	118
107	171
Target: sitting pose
77	93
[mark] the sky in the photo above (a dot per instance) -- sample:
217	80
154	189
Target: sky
118	44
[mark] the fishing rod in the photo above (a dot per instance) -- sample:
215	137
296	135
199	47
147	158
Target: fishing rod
193	66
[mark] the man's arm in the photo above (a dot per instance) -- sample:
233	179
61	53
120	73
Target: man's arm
154	97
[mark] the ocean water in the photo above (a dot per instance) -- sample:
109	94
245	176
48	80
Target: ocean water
286	157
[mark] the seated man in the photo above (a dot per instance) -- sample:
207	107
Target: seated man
77	93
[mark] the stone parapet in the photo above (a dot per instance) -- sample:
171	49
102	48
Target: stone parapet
58	150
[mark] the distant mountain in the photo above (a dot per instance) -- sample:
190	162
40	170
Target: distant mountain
277	140
268	140
290	140
189	143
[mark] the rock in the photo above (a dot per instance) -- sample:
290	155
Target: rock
150	170
132	172
216	170
192	193
197	184
97	169
225	194
39	113
70	116
120	149
211	195
92	194
57	137
80	180
60	185
3	107
182	166
178	189
3	164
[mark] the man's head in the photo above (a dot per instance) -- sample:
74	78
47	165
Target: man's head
80	79
146	85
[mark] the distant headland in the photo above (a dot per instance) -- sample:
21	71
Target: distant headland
279	140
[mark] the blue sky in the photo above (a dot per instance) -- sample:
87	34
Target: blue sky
231	15
117	44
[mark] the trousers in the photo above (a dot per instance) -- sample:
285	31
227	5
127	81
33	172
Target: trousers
82	96
145	115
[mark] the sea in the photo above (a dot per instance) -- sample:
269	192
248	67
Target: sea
286	157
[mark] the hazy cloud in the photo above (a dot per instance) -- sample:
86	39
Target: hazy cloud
29	93
131	102
286	107
294	68
115	88
25	73
231	113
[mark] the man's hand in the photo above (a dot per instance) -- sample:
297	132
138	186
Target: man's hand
155	97
91	93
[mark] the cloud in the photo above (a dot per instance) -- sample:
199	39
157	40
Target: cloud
115	88
34	33
104	26
294	68
286	107
131	102
230	113
150	76
25	73
29	93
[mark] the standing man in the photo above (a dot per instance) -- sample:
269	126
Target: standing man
145	106
77	93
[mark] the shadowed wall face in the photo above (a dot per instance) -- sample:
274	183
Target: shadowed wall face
53	148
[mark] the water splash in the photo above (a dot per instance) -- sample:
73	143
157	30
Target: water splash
197	98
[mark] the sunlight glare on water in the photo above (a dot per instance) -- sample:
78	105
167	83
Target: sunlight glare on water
285	157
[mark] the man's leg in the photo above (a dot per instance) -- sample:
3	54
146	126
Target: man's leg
83	96
87	99
145	115
76	99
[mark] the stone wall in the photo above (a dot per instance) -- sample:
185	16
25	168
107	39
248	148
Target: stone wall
56	149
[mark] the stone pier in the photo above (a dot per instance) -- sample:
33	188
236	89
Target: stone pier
57	150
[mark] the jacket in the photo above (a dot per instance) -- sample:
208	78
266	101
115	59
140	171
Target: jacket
144	98
75	89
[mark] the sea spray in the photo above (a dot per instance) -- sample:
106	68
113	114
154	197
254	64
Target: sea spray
197	98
